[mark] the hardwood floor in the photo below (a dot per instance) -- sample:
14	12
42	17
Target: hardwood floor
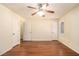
48	48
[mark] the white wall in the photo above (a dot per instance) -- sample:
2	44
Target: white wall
71	29
9	24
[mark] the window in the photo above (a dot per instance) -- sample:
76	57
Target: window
62	27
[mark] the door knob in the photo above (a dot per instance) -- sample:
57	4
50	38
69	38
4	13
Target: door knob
13	33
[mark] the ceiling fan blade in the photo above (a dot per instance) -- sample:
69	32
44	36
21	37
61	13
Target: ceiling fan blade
31	7
34	13
50	11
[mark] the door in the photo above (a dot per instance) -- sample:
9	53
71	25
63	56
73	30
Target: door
15	30
27	30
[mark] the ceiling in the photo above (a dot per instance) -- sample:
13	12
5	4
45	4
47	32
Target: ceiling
59	8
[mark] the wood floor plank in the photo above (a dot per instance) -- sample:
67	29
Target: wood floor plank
41	48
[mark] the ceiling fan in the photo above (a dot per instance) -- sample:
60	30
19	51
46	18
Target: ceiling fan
41	7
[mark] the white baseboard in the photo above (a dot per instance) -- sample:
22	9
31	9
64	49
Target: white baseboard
69	45
38	40
8	49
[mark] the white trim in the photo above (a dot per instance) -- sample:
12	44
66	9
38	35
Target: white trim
8	49
68	45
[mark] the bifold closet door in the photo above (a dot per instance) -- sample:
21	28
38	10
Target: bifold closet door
40	29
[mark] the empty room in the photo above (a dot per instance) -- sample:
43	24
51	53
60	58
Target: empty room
39	29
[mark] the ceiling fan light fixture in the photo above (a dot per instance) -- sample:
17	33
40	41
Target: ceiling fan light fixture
41	13
44	7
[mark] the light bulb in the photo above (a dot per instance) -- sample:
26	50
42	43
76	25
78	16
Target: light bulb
40	13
